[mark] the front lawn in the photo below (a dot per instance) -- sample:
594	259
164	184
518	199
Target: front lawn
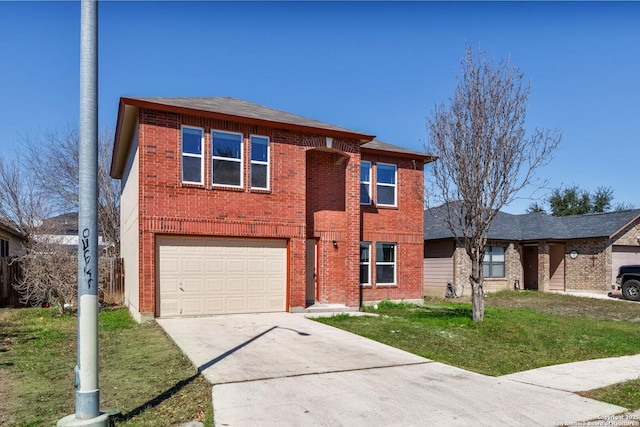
521	330
142	373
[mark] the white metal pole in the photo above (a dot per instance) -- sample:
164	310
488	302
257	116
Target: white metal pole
87	390
87	393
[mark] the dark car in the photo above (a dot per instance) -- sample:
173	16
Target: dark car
628	280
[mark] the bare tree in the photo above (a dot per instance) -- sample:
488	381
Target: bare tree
484	157
22	204
48	271
44	182
53	161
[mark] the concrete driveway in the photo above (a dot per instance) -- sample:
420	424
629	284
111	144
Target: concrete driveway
282	369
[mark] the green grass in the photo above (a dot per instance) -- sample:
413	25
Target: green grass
142	373
626	394
521	330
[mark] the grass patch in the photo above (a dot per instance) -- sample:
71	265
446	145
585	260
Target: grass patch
142	373
521	330
626	394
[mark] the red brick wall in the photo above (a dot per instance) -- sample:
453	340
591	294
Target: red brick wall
169	207
403	225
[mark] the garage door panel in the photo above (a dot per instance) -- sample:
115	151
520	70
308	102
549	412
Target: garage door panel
273	285
191	285
235	285
214	284
256	303
191	306
171	265
169	307
274	302
214	265
235	266
171	285
191	264
256	285
274	265
256	265
221	275
236	304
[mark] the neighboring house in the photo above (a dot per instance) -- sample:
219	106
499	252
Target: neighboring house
232	207
536	251
63	230
10	241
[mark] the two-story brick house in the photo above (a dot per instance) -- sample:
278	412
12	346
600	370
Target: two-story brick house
232	207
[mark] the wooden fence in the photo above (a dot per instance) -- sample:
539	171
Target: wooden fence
111	291
10	272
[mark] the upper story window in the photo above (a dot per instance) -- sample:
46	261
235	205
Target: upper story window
4	248
226	166
493	264
365	183
386	194
260	162
192	159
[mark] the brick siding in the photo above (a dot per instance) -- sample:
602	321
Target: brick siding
314	194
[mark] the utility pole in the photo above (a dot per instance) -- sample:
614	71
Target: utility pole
86	371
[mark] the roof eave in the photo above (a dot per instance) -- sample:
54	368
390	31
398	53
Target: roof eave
426	158
363	138
126	124
632	220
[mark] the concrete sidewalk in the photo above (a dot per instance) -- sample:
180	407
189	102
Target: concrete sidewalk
282	369
582	376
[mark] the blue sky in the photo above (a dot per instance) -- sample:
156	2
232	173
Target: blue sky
375	67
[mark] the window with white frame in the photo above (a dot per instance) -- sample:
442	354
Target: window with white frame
226	165
259	162
365	263
192	159
4	248
493	263
385	263
365	183
386	194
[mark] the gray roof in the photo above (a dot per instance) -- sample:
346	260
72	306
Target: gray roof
383	146
538	226
238	108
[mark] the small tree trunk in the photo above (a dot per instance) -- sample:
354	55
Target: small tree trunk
477	290
477	300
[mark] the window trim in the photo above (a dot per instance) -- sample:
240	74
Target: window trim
366	182
367	263
394	264
260	162
394	186
491	263
183	154
228	159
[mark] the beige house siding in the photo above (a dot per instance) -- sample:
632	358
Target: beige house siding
437	266
15	244
129	212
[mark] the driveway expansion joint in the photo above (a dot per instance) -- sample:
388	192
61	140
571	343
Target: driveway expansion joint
337	371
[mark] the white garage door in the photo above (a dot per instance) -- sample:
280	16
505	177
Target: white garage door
623	255
202	276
